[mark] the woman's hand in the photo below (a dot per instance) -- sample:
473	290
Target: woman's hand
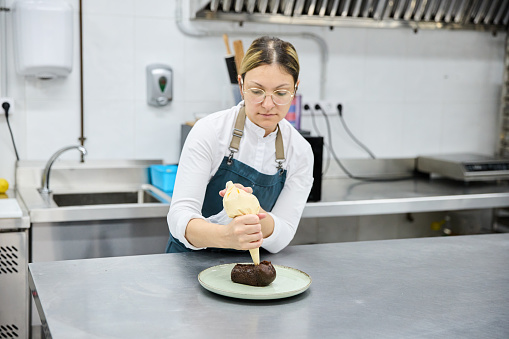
239	186
245	232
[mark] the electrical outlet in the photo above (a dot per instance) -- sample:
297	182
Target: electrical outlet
329	107
11	102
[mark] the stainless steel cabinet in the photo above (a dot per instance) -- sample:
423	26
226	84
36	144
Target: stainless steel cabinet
14	293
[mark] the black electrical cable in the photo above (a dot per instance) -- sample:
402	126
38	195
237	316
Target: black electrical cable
357	141
340	164
6	106
327	163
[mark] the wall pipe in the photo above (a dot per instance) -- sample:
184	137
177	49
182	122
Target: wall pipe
82	111
200	34
3	49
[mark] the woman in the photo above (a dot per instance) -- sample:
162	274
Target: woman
262	154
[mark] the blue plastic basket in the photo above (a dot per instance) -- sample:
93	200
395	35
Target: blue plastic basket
163	177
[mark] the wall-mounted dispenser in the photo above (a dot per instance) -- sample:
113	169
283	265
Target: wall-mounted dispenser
159	84
43	38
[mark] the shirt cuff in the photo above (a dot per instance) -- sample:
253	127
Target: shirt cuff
271	243
181	231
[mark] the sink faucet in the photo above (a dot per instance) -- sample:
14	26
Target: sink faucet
45	175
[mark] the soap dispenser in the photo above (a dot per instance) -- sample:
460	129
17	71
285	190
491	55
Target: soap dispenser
159	84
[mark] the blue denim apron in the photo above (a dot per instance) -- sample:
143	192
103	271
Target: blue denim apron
265	187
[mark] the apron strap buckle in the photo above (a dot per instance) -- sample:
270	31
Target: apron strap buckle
230	157
238	132
280	166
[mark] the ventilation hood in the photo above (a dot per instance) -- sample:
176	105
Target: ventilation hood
483	15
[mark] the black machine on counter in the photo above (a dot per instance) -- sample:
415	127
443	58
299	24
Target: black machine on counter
316	143
465	167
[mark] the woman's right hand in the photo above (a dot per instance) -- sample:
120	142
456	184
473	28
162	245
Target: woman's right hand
244	232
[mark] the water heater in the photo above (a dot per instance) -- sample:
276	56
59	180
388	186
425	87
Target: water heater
43	38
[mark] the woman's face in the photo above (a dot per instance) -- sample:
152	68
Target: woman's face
269	78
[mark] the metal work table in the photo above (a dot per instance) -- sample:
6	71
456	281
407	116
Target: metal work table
445	287
348	197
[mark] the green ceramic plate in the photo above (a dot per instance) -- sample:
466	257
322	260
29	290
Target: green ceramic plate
289	282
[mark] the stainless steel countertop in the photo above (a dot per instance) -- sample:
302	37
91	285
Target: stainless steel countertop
340	197
348	197
447	287
15	224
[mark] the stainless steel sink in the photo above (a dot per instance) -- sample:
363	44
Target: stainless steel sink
105	198
94	190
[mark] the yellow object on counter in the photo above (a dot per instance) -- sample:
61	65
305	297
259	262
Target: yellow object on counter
4	185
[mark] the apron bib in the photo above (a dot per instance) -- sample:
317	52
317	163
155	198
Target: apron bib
265	187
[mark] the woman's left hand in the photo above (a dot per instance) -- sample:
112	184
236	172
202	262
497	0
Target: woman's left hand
239	186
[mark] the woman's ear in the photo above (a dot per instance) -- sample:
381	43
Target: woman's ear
239	80
297	85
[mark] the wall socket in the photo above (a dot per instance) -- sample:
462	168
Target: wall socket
329	107
11	102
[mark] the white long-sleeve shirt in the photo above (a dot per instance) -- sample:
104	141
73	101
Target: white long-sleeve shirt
206	146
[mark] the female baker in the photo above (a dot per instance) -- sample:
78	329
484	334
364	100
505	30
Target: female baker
252	145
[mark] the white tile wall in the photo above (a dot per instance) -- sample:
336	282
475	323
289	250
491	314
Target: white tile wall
403	93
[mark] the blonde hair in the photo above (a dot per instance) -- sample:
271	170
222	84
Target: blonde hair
268	51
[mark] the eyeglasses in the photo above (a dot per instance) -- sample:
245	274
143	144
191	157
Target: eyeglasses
257	95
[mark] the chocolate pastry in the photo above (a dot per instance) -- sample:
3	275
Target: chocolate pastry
254	275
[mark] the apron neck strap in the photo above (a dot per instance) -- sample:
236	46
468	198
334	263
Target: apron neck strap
238	131
280	151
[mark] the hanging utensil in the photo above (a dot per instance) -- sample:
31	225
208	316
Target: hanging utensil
238	48
232	70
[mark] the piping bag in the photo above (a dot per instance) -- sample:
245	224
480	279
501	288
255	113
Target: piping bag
232	71
238	202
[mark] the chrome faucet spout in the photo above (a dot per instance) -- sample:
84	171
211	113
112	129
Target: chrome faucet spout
47	169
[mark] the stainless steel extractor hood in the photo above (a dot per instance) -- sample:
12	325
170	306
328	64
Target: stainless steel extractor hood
483	15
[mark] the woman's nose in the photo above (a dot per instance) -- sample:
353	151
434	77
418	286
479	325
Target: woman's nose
268	103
